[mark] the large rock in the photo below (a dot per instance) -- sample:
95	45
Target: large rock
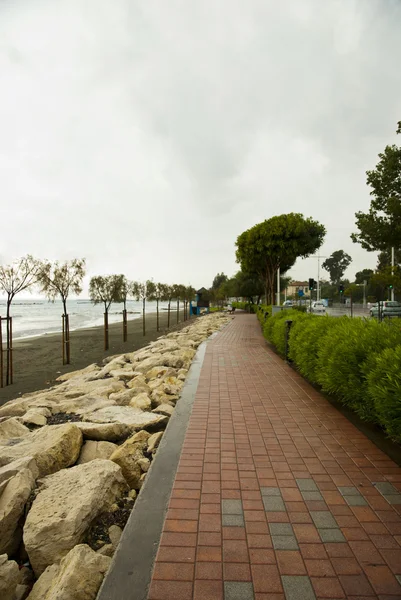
12	428
93	450
65	507
172	360
54	447
16	466
111	432
155	360
160	373
77	577
141	401
123	374
14	496
9	577
83	404
89	370
36	416
154	441
164	409
123	398
128	455
133	417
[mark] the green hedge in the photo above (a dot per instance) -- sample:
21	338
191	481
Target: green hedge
245	306
356	360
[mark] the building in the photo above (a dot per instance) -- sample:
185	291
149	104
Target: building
294	287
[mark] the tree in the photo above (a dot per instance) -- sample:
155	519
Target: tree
218	280
158	293
61	279
336	265
122	291
248	285
363	275
384	258
105	289
16	278
167	297
179	292
189	294
380	228
277	243
143	291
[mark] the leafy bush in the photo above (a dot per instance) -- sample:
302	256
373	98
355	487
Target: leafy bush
341	368
384	389
353	359
306	340
275	327
245	306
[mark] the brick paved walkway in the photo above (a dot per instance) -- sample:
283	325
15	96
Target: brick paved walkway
277	496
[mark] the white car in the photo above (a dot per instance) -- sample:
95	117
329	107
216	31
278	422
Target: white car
318	307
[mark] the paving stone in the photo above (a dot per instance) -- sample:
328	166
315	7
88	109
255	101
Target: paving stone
238	590
231	507
323	519
270	491
385	487
393	498
355	500
297	587
273	504
331	535
281	529
233	521
312	496
307	485
349	491
284	542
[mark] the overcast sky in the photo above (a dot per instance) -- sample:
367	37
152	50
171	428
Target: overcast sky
145	136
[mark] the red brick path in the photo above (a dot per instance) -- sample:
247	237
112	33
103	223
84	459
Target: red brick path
308	520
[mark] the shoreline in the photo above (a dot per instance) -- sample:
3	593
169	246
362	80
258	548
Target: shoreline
37	360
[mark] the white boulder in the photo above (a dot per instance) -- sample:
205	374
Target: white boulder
65	507
78	576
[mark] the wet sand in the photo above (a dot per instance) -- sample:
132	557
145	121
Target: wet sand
38	361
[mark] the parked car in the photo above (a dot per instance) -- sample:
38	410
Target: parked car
288	303
318	307
388	308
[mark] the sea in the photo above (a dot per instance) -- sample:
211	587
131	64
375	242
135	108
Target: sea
37	317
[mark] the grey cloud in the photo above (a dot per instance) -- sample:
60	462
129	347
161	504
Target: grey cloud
147	136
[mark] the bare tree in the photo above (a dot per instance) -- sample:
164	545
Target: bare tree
158	294
189	295
142	292
179	293
16	278
105	290
167	297
61	279
122	291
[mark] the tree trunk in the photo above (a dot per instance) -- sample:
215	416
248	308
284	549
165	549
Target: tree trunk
9	346
125	326
143	316
157	314
106	330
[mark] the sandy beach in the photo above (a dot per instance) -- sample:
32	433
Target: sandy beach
38	360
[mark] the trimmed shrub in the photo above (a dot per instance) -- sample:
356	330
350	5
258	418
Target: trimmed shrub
341	368
305	340
384	389
356	360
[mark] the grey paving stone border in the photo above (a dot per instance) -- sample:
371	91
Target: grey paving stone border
131	570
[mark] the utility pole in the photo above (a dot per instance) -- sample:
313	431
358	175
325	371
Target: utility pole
278	287
392	271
